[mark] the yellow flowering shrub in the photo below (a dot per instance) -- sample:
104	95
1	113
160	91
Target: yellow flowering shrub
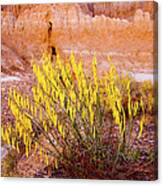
69	109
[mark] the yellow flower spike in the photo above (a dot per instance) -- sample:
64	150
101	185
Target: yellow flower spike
62	98
80	94
46	159
35	111
83	113
60	128
47	105
20	131
150	102
94	59
119	105
94	132
142	104
7	137
63	133
91	117
124	120
31	109
20	100
26	150
80	73
84	86
40	115
13	140
135	108
27	102
44	84
117	117
9	129
129	100
23	103
78	106
29	143
30	125
73	96
67	82
72	61
17	147
17	124
94	69
45	126
142	121
128	85
86	95
3	134
56	163
48	87
54	119
40	152
95	96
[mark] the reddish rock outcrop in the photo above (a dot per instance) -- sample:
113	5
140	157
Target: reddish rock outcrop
29	30
111	9
121	9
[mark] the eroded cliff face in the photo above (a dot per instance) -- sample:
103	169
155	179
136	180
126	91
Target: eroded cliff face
124	10
121	30
117	9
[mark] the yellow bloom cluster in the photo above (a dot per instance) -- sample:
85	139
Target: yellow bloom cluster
114	98
114	88
66	104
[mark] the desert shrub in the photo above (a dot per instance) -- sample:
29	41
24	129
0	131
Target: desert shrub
69	111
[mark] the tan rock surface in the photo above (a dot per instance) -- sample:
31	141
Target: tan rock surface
30	30
122	9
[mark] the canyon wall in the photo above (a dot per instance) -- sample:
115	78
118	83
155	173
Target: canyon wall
124	31
110	9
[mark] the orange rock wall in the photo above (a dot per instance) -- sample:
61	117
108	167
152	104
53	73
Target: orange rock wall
29	30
